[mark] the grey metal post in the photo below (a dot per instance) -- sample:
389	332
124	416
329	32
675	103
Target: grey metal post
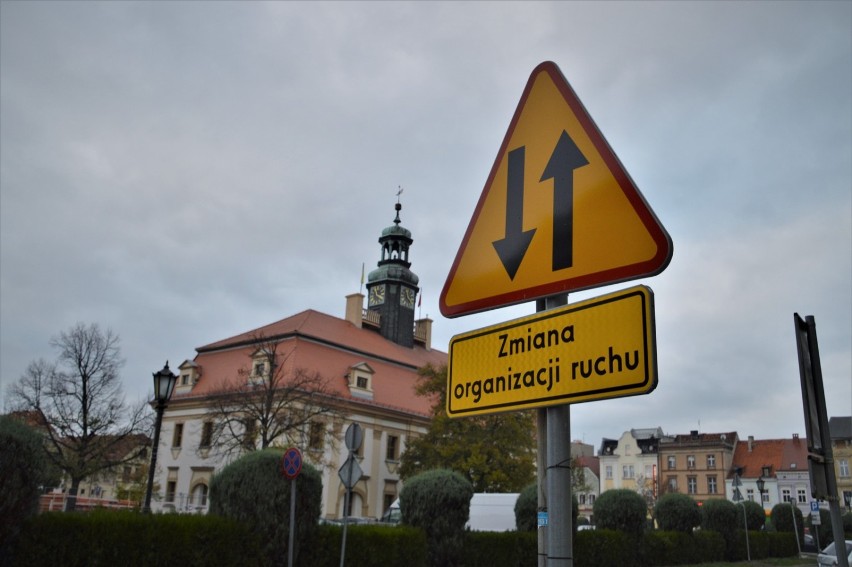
559	540
554	487
346	497
292	534
541	466
796	528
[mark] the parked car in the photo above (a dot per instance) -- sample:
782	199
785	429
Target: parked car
828	556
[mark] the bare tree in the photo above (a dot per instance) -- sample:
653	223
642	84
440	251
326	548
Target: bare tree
269	403
79	402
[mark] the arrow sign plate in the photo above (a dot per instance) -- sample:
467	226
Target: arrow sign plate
558	212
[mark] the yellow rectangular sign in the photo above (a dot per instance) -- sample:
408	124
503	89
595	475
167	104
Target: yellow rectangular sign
596	349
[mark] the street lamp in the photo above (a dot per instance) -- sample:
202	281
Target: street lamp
761	484
164	384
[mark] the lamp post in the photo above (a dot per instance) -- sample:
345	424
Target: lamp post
761	488
164	384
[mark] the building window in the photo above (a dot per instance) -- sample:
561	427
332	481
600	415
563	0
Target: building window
591	499
692	485
125	474
316	435
690	461
199	495
581	499
259	368
711	484
392	453
802	496
844	467
177	438
627	471
363	383
785	495
711	462
249	434
750	494
671	482
206	434
672	462
609	471
170	490
184	379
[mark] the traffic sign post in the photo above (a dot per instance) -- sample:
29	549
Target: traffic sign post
350	473
558	213
596	349
291	467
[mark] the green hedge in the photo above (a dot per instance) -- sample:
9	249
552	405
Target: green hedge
107	538
131	539
492	549
367	546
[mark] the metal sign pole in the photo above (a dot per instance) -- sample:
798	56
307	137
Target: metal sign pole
345	523
292	534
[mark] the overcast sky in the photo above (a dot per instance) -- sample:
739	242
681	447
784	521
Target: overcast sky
181	172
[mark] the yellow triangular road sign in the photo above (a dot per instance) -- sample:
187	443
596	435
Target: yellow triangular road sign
558	212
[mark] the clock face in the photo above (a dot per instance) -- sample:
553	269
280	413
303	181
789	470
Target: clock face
377	295
406	298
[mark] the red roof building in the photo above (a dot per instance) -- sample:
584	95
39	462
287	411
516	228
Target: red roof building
783	466
368	364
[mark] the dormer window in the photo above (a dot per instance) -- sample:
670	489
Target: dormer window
188	377
360	379
260	366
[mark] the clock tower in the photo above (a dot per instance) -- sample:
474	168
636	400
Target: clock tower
392	286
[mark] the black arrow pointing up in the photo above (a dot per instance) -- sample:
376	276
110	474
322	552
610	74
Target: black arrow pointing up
513	246
566	157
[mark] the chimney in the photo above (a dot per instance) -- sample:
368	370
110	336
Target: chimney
423	332
750	442
355	308
795	437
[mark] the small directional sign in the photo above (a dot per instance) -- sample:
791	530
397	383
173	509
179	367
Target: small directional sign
558	212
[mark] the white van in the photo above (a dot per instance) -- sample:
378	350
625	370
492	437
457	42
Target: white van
489	512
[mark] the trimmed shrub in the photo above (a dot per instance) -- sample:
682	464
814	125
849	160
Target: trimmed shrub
24	467
755	516
722	516
677	512
438	502
526	509
782	520
621	509
252	491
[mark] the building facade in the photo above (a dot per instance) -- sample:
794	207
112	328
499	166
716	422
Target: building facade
696	464
841	448
631	462
368	364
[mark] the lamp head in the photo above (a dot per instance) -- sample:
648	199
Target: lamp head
164	384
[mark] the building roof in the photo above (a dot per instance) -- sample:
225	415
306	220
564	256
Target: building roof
840	427
778	454
330	346
694	438
592	463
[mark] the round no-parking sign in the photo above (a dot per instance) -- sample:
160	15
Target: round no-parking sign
291	463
